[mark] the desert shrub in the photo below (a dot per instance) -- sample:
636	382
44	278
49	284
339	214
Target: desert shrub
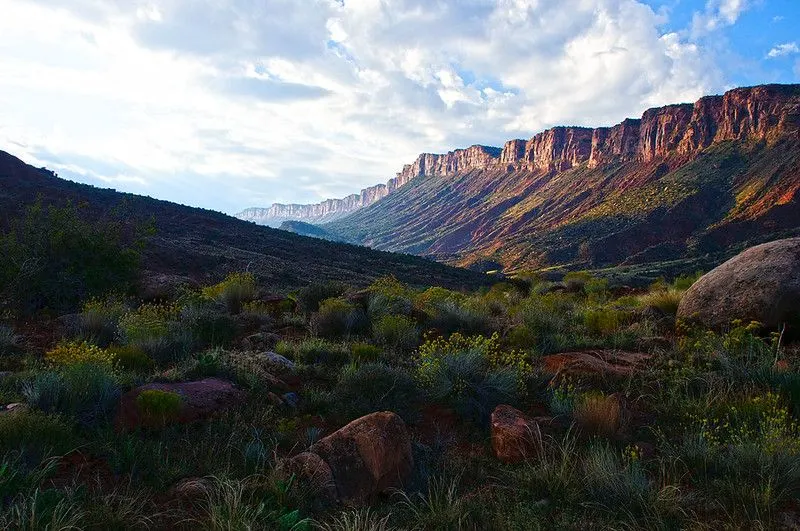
77	352
576	280
55	257
665	300
98	320
235	290
86	391
338	318
396	332
208	325
131	358
598	414
616	484
9	341
463	373
371	387
684	282
364	352
310	297
596	290
428	300
156	330
315	350
451	316
159	406
35	433
380	305
563	398
604	321
520	338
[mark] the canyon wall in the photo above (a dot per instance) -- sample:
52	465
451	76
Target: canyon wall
760	113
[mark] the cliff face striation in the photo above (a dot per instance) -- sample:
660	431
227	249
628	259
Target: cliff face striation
753	114
682	179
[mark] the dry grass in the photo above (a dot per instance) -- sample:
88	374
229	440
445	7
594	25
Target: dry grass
598	414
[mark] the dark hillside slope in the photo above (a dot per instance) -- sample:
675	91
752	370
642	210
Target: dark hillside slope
206	245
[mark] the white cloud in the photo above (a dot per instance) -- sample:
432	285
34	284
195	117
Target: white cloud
718	14
229	103
781	50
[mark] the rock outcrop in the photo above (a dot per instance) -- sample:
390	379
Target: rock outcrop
199	400
761	284
761	113
369	456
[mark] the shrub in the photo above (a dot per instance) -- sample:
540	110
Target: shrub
684	282
374	387
310	297
576	280
397	332
54	257
98	320
158	407
598	414
131	358
235	290
451	316
315	350
666	300
9	341
147	322
364	352
460	372
75	352
338	318
380	305
86	391
429	299
604	321
35	433
208	324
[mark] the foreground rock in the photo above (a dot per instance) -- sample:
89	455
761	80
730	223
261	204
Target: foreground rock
761	284
365	458
515	436
595	363
199	400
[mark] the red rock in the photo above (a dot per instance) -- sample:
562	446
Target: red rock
367	457
201	399
515	436
315	474
614	363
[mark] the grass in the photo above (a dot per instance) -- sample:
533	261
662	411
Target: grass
704	436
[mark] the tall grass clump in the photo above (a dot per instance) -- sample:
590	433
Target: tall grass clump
9	341
396	332
310	297
234	291
338	318
372	387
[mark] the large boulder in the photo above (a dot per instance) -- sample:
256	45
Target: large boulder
199	400
515	436
761	284
369	456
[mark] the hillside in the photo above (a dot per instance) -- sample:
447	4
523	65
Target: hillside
681	182
206	245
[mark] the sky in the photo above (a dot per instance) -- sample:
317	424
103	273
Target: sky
227	104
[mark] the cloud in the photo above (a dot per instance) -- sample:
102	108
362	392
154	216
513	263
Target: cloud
781	50
718	14
229	103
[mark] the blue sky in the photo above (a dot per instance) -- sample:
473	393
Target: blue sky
227	104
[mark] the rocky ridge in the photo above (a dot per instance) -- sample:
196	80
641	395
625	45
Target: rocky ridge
760	113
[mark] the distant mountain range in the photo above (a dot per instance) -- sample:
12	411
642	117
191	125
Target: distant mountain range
684	180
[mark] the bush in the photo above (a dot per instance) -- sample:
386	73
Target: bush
315	350
598	414
86	391
35	434
460	373
451	316
666	300
158	407
364	352
208	324
604	321
397	332
9	341
75	352
374	387
98	320
131	358
310	297
55	257
338	318
235	290
157	331
576	280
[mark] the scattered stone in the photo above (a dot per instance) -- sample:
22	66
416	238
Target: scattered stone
761	284
277	359
515	436
595	363
367	457
275	400
200	400
291	399
314	473
17	406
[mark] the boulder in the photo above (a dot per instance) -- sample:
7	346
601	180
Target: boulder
369	456
200	400
277	359
313	473
594	363
515	436
761	284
